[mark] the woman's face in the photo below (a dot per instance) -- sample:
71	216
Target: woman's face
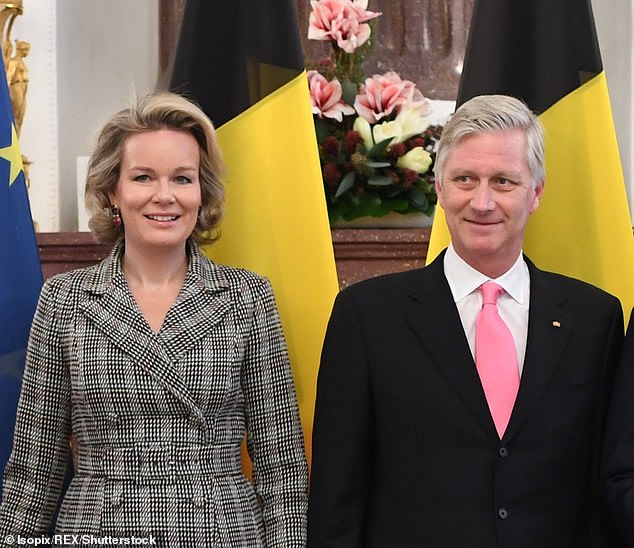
158	191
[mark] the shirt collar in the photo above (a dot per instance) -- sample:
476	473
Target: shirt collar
463	279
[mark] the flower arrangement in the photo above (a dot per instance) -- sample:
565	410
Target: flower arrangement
376	145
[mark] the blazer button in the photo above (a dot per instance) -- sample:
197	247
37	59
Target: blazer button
503	513
503	452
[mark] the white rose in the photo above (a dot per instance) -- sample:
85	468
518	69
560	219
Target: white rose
387	130
412	123
417	159
362	127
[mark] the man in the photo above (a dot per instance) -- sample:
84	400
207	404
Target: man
427	436
618	449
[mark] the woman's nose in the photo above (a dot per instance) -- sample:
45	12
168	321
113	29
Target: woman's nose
163	191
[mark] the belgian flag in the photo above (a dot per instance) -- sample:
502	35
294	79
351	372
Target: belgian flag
242	61
547	54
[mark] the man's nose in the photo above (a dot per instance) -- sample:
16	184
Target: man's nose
482	198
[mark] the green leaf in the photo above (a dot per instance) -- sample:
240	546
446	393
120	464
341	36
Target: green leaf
379	180
349	92
321	130
333	213
424	185
419	199
369	204
346	184
378	164
379	149
339	209
396	204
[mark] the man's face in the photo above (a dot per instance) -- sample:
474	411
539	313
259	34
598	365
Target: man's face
487	196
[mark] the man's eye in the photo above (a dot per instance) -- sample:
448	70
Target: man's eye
464	180
504	183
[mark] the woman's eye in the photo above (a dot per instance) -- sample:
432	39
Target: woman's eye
142	178
181	179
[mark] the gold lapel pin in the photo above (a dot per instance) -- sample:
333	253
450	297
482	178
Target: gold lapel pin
556	324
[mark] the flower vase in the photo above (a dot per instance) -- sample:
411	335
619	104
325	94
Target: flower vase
391	220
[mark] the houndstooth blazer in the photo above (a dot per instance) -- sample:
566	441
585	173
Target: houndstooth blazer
159	418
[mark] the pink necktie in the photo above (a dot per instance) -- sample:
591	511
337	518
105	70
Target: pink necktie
496	358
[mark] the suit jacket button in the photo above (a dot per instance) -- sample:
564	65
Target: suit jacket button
503	452
503	513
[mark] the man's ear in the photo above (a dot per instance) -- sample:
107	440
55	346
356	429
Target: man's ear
539	191
438	186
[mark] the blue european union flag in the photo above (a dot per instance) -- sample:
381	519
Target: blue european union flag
20	271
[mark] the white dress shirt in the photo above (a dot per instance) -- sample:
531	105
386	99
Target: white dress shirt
464	282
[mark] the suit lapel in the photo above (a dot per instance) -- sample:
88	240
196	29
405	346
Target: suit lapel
434	317
549	329
112	310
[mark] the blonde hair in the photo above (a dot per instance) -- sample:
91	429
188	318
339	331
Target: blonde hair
152	112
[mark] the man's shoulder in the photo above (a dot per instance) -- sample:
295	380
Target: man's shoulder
563	285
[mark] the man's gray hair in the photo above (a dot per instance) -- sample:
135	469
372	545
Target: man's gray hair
486	113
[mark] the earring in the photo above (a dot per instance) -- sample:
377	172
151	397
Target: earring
116	216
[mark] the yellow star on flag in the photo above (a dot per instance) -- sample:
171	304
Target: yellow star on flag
12	154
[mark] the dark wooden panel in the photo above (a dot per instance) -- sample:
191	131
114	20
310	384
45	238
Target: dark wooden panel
366	253
359	253
63	251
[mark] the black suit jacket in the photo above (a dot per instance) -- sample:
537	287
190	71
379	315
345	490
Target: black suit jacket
618	469
405	452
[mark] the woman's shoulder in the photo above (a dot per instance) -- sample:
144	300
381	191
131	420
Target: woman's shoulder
71	278
70	284
241	275
240	278
236	279
223	274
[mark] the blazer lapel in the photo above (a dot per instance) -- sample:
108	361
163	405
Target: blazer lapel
549	329
202	303
111	308
434	318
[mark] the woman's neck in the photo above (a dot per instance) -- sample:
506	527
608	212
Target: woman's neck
154	269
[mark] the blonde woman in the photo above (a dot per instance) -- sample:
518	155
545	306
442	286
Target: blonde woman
158	361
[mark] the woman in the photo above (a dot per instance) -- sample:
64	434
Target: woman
157	361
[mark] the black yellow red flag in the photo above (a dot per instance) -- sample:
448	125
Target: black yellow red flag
547	54
241	60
